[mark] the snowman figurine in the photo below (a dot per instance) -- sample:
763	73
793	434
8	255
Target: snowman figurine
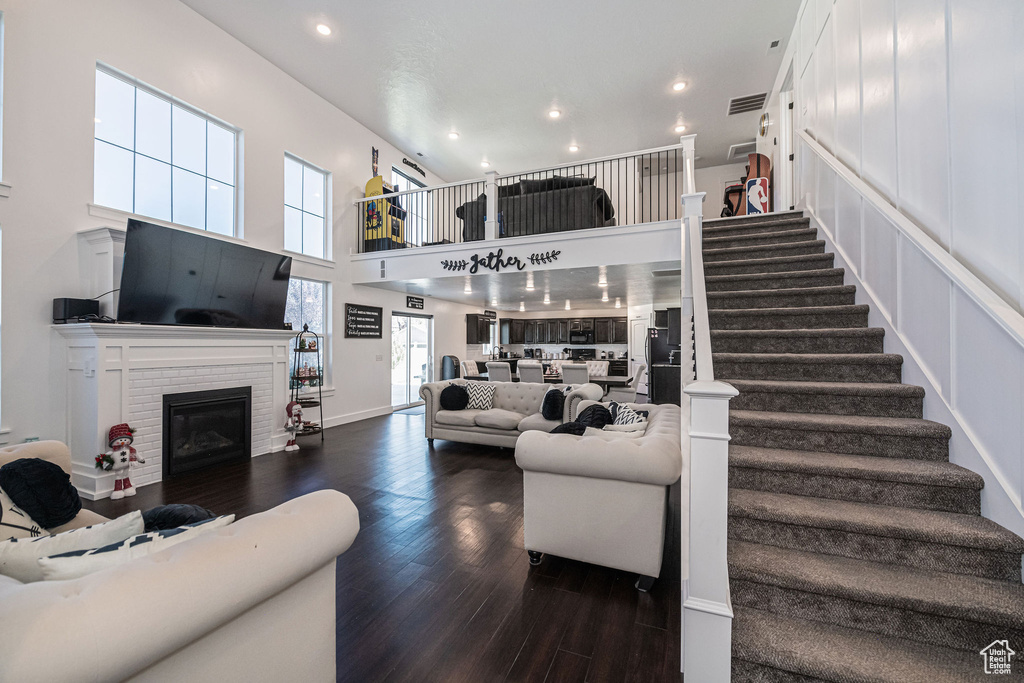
122	458
293	424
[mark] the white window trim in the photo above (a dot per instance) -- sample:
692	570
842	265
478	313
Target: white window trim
328	208
326	336
121	216
237	229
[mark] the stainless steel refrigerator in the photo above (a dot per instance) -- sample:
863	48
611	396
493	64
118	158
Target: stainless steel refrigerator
662	373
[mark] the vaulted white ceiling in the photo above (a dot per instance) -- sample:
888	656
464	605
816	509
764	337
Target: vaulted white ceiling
491	71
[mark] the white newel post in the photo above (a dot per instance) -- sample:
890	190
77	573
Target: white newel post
491	188
707	607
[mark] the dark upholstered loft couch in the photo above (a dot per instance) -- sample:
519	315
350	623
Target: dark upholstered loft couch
531	207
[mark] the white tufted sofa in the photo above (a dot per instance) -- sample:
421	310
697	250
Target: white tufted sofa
248	602
516	410
603	498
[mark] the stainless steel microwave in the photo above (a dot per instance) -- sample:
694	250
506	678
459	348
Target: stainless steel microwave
584	337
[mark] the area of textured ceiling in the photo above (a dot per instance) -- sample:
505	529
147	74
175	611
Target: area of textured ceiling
412	72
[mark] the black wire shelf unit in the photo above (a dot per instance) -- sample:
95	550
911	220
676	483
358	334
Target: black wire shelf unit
306	374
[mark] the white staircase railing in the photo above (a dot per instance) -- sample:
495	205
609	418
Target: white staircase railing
707	606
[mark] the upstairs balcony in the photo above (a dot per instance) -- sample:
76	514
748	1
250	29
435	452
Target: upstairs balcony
613	210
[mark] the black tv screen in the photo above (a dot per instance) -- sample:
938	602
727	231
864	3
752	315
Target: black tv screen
173	277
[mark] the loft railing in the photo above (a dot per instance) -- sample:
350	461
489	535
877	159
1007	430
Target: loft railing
707	606
620	190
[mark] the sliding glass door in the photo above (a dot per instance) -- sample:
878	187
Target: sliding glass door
411	338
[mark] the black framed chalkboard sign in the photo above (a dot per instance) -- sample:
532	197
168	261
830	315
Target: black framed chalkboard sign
364	321
414	302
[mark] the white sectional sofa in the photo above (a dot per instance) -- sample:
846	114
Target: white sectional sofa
516	411
602	498
252	601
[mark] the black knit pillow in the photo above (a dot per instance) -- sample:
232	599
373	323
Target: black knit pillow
554	405
574	428
42	489
174	515
596	416
454	397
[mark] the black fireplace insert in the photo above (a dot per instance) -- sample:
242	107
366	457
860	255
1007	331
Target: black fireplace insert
206	428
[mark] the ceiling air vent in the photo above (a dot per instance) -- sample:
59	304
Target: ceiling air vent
740	150
739	105
667	273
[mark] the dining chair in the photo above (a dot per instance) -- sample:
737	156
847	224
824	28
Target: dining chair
626	394
498	371
470	368
575	373
531	371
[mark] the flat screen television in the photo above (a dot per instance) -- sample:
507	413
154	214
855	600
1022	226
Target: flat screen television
173	277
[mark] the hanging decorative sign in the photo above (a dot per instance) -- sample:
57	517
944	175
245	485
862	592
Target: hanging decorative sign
414	302
363	321
414	167
490	315
497	261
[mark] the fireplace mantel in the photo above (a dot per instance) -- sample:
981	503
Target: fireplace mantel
117	373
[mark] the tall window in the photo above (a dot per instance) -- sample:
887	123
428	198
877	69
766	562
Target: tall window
158	157
419	207
307	304
305	207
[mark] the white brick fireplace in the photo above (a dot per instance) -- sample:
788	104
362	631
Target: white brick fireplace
119	373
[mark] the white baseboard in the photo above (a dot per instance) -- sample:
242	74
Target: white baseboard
356	417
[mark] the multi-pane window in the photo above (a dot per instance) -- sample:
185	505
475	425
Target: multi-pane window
158	158
307	304
305	207
418	205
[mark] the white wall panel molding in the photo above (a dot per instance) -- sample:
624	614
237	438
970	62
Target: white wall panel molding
959	338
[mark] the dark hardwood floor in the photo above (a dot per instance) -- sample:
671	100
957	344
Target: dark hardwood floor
437	586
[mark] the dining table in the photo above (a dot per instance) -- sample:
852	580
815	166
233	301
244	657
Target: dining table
603	381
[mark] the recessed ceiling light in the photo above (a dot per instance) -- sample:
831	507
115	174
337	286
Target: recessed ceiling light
522	306
602	283
618	302
485	164
680	128
453	135
529	287
494	302
567	306
604	296
574	148
554	113
547	298
678	86
323	29
467	289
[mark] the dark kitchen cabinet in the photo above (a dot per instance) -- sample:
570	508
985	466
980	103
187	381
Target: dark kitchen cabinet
618	368
529	332
675	319
588	324
563	332
603	330
575	325
620	331
552	329
518	333
478	329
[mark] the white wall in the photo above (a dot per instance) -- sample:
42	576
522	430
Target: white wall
50	55
912	175
713	181
924	99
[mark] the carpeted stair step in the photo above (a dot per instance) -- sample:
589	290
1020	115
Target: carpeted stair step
896	482
878	399
888	437
771	648
806	318
840	295
759	238
948	610
810	247
826	277
810	367
782	218
827	340
923	539
770	265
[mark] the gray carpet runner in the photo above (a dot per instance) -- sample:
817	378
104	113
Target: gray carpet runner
857	551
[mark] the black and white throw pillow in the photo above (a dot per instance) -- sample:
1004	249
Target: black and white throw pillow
78	563
15	522
627	416
481	395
